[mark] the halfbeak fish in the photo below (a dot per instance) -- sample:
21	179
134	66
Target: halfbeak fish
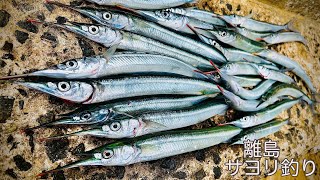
126	108
283	37
128	41
232	38
115	64
205	16
260	131
240	104
254	25
120	20
264	115
152	122
236	88
143	4
174	21
286	62
157	146
111	89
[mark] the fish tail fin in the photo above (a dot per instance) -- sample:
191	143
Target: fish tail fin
289	26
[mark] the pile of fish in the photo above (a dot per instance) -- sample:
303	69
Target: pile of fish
170	67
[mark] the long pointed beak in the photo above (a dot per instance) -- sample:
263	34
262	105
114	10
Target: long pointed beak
37	86
73	27
87	162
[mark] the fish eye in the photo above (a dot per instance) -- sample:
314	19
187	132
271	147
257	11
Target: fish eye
107	154
115	126
165	14
93	30
85	116
218	76
71	64
107	16
223	33
64	86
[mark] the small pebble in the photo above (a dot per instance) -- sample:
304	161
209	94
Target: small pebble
217	172
4	18
21	163
28	26
7	46
11	173
21	36
6	105
199	175
168	163
61	20
8	56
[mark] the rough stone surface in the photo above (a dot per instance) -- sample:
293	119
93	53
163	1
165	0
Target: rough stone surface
39	108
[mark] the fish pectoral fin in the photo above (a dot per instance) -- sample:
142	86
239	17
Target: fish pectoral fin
109	52
154	125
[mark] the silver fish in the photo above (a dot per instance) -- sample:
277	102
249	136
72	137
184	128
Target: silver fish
240	104
284	90
148	148
174	21
120	20
236	88
148	123
259	132
111	89
142	4
119	63
236	40
253	35
205	16
245	68
264	115
273	74
283	37
284	61
129	41
243	81
254	25
105	112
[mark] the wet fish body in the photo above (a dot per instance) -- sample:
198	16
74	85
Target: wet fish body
147	123
260	131
111	89
160	145
284	61
284	37
201	15
254	25
105	112
119	63
264	115
133	42
142	4
148	29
